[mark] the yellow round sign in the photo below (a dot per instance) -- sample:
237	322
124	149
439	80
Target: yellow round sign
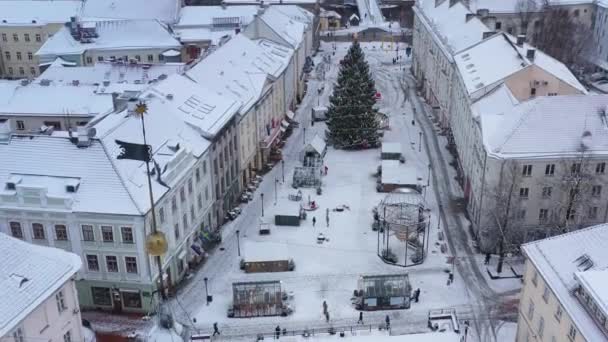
156	244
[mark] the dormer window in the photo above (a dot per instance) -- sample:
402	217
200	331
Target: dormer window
11	186
72	186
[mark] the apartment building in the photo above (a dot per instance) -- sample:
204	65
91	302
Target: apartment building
25	25
84	43
39	293
563	297
72	192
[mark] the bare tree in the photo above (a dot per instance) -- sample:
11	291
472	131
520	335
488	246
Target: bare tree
525	11
561	35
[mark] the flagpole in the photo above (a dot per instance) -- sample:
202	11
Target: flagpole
161	285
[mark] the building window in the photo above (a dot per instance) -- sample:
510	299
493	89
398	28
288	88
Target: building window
572	332
26	37
21	71
173	206
18	334
551	94
7	55
535	278
92	262
550	170
16	230
521	214
206	193
546	292
18	54
100	58
509	30
575	168
524	192
161	215
20	125
558	313
541	327
527	171
199	201
112	263
61	232
593	213
150	58
38	230
15	37
161	57
570	214
67	337
32	70
182	195
547	190
576	13
127	234
600	168
532	91
190	189
530	309
38	37
107	233
197	175
131	300
101	296
87	233
4	37
89	60
131	264
192	216
596	190
176	231
138	58
10	71
543	214
204	167
185	221
61	307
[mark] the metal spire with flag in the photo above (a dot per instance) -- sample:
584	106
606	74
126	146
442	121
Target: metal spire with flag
156	243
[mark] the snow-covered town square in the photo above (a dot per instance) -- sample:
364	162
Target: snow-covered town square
303	170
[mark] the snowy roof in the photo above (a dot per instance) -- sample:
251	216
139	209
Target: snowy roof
6	90
175	146
265	251
197	16
548	126
394	172
163	10
317	144
199	34
498	100
195	104
238	70
594	283
278	52
353	16
39	100
388	147
511	6
270	2
48	160
296	13
555	259
110	71
379	336
113	35
290	30
29	275
37	12
450	25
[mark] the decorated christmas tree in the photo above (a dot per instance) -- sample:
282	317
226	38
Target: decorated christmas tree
351	119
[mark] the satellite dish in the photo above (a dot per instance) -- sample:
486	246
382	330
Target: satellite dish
91	132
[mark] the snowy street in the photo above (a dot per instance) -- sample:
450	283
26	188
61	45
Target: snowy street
329	271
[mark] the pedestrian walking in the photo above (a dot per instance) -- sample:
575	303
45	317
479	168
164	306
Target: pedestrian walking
327	317
326	169
360	318
314	221
277	332
416	295
327	219
324	307
388	322
413	123
487	260
216	331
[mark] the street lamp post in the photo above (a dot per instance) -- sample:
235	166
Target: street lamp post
428	178
262	195
206	291
304	136
419	141
276	182
283	169
238	242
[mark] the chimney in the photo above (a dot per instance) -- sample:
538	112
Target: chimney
118	104
470	16
483	12
530	53
131	104
488	34
521	39
453	2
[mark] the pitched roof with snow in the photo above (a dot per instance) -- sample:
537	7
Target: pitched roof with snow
549	126
555	259
449	24
37	12
52	161
197	16
290	30
163	10
206	111
52	100
112	35
29	275
110	71
296	13
517	6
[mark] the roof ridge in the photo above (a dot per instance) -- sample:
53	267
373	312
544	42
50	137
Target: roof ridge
519	122
564	235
